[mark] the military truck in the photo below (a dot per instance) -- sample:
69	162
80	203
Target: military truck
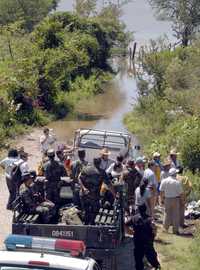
105	241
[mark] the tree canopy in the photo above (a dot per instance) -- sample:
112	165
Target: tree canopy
184	14
30	12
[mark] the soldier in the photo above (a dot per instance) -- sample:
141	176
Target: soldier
76	169
78	165
33	201
144	234
53	171
132	178
91	179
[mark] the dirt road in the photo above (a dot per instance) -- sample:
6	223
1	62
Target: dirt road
31	145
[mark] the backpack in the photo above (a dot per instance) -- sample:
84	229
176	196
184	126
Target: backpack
16	174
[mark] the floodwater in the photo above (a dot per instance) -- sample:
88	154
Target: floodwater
106	111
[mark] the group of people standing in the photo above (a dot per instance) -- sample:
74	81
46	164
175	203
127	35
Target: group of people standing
147	183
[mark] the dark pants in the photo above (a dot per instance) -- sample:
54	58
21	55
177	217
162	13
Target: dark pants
91	209
52	192
146	250
13	189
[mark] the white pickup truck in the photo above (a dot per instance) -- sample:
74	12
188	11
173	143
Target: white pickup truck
94	140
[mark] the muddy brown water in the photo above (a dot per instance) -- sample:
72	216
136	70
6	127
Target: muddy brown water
105	111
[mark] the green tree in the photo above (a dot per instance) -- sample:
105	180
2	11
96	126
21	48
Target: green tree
30	11
85	8
184	14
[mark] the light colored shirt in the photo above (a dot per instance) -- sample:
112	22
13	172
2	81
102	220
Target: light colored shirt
8	163
115	172
140	200
171	187
150	175
23	165
164	174
105	164
48	143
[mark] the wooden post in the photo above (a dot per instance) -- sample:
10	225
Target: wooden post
134	50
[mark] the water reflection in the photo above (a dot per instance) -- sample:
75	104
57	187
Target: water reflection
106	111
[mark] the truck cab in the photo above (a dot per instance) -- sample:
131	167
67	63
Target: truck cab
94	140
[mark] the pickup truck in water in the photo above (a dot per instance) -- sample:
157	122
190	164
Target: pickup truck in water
105	241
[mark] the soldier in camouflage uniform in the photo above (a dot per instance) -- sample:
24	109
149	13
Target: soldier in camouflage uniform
53	171
132	178
33	201
91	179
76	169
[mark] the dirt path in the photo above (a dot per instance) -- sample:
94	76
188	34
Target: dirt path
31	145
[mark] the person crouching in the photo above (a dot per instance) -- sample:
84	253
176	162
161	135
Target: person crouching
33	201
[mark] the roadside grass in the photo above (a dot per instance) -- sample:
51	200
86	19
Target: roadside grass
178	252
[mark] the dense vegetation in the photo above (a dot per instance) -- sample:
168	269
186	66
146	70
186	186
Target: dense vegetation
167	113
48	70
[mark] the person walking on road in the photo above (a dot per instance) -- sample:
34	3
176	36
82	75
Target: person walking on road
47	140
144	234
172	196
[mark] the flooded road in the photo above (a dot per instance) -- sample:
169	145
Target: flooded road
105	111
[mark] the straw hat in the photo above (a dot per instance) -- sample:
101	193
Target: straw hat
166	163
156	154
173	152
105	152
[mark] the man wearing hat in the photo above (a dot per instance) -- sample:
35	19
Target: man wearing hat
53	171
33	201
175	163
171	195
105	160
166	167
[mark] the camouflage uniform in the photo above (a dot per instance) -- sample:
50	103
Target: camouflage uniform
76	169
92	179
54	170
132	178
33	202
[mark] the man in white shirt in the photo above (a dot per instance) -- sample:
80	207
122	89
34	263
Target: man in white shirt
23	163
8	164
105	160
149	174
171	195
46	140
